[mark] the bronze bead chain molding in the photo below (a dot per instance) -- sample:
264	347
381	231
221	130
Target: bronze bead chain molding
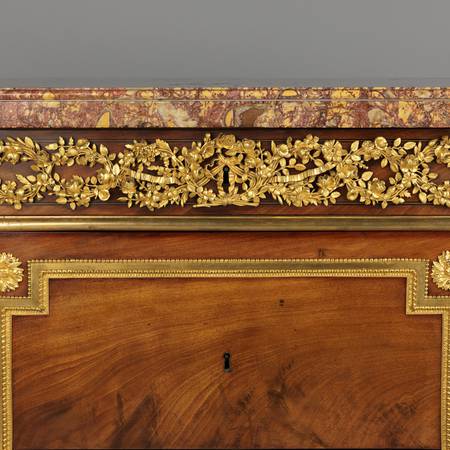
225	170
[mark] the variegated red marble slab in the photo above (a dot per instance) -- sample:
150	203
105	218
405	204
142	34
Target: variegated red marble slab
225	107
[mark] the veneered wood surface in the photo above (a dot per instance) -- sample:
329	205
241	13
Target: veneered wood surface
138	363
178	245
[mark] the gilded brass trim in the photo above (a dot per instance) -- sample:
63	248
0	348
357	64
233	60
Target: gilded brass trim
225	171
414	271
225	223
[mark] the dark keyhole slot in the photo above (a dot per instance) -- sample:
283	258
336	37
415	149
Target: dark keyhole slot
227	362
226	177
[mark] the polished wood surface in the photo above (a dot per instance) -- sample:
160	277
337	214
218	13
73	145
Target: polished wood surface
316	362
178	245
139	364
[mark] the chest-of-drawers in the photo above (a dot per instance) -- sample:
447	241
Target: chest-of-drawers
225	268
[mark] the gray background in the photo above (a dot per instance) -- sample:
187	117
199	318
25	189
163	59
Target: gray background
198	42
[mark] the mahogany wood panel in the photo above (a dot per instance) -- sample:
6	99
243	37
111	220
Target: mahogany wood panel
138	363
316	363
179	245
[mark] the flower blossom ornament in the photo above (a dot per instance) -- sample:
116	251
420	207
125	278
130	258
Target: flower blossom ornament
11	273
441	271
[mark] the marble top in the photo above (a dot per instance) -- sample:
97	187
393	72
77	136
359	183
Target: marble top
211	107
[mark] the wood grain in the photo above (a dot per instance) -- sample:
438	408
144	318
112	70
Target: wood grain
316	363
178	245
138	363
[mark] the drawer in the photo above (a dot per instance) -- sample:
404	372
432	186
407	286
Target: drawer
262	349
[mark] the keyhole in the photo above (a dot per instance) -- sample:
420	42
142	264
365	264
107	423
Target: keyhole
226	177
227	362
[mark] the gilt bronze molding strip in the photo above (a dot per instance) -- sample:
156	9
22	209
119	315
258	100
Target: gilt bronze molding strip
225	223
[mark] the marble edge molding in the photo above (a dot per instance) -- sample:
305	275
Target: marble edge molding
228	107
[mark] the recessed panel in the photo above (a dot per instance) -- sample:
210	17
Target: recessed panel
227	363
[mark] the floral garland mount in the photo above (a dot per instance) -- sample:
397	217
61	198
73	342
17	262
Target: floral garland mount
225	171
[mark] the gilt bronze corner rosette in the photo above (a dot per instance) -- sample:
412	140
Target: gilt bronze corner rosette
11	274
441	271
225	170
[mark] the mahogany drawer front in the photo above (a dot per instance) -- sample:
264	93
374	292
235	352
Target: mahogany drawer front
318	359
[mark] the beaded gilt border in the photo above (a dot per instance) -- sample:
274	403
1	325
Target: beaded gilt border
414	271
226	170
